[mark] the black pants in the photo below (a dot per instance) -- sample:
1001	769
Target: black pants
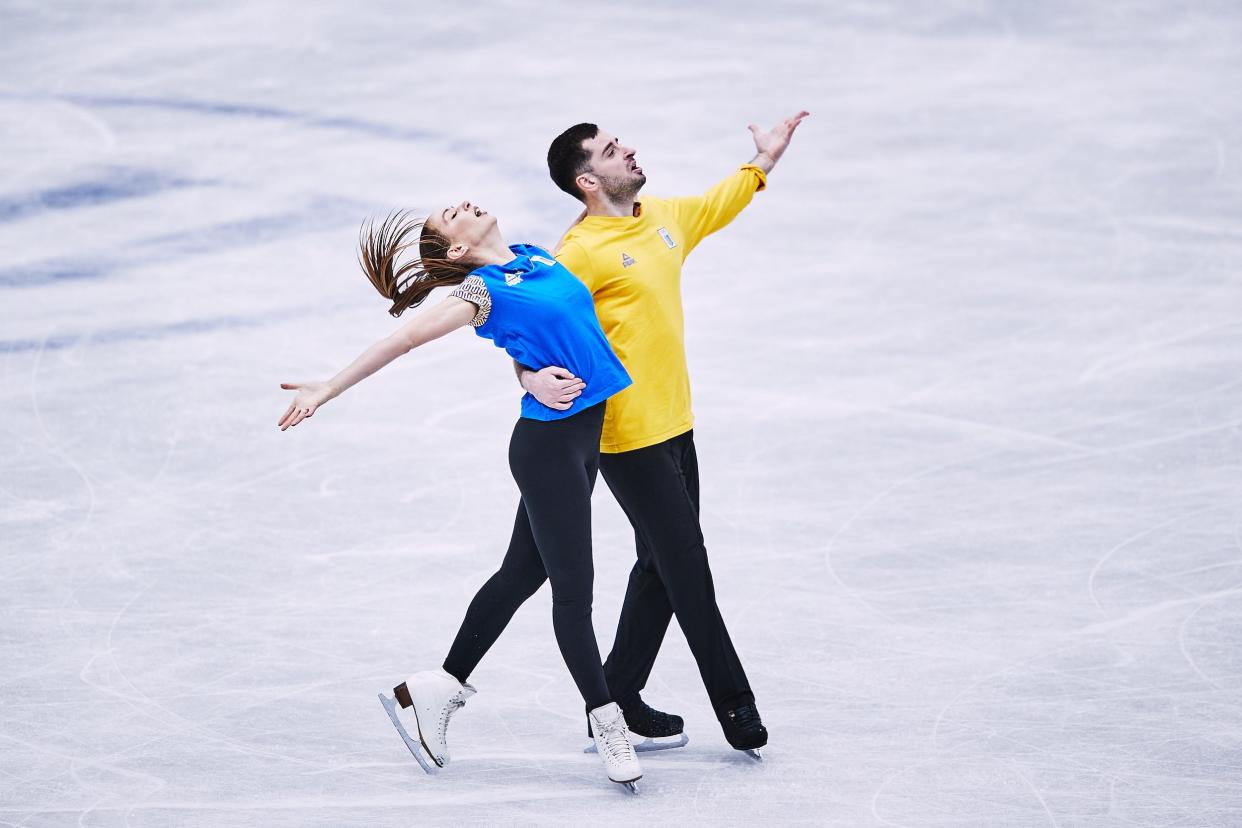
555	464
658	487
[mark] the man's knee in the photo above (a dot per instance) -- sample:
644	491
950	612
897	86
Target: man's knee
684	549
672	532
645	567
684	569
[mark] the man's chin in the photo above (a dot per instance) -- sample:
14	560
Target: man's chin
619	189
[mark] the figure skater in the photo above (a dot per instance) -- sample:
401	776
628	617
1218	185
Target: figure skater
540	314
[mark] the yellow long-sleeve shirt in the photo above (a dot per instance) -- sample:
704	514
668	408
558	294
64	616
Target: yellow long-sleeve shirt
632	266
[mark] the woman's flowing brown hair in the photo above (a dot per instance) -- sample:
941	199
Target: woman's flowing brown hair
406	284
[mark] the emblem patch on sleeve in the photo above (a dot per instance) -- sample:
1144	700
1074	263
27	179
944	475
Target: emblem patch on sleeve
667	238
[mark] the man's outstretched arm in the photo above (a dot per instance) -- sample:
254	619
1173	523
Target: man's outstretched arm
700	216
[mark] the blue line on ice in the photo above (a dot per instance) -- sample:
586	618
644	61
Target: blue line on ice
115	185
133	334
321	213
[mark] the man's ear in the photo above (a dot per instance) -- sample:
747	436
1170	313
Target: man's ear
587	182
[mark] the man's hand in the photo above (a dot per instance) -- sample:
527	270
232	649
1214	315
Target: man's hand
771	145
576	222
554	387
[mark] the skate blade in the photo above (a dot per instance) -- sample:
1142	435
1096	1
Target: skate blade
415	747
632	787
651	745
755	753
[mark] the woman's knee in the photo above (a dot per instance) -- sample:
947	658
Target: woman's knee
572	596
525	580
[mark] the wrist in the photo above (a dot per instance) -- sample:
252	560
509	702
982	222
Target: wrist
764	161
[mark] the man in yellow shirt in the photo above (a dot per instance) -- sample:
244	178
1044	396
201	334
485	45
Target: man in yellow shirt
630	254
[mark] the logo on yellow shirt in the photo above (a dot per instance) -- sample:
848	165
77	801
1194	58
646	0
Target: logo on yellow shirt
667	238
626	260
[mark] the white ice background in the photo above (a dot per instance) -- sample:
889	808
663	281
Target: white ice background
968	381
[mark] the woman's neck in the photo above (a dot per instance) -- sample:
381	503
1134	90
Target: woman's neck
492	252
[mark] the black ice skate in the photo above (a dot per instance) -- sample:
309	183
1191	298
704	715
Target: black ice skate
744	729
650	729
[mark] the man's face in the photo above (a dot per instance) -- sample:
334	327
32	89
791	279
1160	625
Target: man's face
615	166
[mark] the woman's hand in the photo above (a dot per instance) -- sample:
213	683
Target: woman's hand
310	396
449	315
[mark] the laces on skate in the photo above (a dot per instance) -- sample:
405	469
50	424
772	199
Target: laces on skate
616	740
454	704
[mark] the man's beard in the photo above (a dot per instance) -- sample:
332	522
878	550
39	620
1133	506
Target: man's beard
622	189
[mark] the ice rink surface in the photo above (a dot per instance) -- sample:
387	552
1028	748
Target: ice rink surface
968	381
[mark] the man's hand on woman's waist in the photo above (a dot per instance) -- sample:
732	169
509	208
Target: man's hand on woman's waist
553	386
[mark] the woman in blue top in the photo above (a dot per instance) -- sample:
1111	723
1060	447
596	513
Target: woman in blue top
541	315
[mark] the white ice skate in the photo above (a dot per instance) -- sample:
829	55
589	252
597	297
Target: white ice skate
432	697
612	741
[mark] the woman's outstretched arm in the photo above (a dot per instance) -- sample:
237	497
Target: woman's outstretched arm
449	315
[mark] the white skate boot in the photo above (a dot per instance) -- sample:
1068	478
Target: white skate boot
433	696
612	741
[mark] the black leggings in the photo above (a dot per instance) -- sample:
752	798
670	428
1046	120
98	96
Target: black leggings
658	488
555	463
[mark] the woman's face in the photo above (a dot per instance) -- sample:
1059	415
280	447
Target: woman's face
464	225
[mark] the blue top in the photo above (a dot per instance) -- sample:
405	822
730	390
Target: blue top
542	315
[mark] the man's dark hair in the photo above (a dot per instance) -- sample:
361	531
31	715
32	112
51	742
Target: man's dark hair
568	159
